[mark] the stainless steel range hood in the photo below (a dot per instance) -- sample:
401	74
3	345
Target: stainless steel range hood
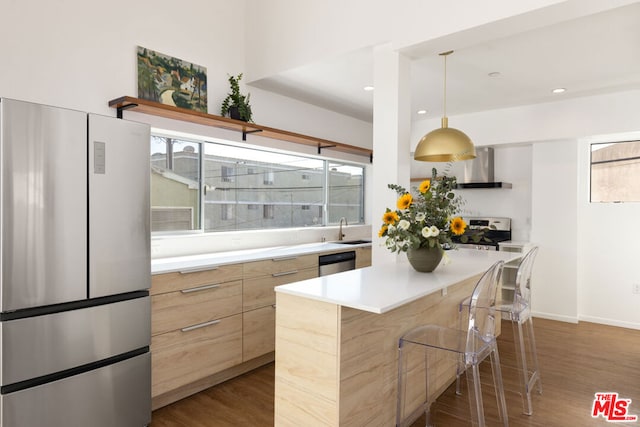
478	173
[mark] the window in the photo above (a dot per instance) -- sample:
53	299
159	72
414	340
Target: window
175	184
226	212
227	174
345	196
268	178
615	172
228	187
268	211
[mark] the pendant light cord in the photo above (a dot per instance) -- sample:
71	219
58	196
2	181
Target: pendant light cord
445	121
445	86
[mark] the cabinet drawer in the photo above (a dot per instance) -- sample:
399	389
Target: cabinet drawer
279	265
258	332
190	306
184	356
169	282
258	292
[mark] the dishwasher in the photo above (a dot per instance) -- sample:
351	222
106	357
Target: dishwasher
335	263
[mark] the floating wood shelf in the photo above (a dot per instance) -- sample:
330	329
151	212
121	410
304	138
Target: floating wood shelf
176	113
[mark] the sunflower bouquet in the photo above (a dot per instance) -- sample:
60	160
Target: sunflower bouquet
425	219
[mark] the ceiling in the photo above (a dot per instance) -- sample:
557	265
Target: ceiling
592	55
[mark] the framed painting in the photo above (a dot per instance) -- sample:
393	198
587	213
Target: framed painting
171	81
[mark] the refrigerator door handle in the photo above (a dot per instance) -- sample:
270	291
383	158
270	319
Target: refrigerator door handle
200	325
199	288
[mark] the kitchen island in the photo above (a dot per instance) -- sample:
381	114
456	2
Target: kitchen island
337	335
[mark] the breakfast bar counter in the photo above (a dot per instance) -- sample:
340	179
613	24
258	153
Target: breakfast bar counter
337	335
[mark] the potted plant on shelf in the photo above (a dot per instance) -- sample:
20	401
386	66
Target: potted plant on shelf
236	105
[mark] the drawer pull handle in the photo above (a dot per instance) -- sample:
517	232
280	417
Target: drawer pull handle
201	325
197	269
286	273
288	258
199	288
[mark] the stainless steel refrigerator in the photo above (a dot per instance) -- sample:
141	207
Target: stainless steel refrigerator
75	316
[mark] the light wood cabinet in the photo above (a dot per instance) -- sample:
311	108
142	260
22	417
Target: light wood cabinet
195	305
258	332
280	265
259	298
258	291
211	324
196	326
189	354
363	256
168	282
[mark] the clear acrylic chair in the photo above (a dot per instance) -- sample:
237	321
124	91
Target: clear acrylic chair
518	310
437	353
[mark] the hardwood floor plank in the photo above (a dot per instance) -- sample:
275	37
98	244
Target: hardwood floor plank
576	361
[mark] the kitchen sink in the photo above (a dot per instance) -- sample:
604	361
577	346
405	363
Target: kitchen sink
352	242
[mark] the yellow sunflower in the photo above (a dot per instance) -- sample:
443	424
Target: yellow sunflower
424	186
390	217
405	201
382	231
458	226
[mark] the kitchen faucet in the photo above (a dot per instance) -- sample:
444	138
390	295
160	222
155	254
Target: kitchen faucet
340	235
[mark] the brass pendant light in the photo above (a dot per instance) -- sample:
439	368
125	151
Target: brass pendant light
445	144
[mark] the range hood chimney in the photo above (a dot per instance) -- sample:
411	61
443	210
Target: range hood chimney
478	173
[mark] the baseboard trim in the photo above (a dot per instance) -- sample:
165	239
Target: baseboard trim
610	322
590	319
552	316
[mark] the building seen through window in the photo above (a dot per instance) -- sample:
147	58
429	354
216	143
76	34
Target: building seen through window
207	186
615	172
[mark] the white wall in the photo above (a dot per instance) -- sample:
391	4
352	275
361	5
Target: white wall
77	54
608	250
584	269
512	165
555	230
569	118
80	55
284	34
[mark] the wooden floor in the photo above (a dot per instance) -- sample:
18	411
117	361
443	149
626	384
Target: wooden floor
576	361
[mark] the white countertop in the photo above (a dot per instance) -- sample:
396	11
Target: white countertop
383	287
196	262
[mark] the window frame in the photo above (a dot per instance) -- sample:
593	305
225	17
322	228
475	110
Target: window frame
200	141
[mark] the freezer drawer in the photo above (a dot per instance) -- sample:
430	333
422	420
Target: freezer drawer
41	345
114	395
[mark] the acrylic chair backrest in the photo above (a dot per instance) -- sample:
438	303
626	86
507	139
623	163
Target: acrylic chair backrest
522	293
482	307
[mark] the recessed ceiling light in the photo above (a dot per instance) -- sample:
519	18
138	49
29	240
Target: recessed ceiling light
559	90
368	88
494	74
422	111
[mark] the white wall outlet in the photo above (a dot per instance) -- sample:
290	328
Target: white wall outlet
636	288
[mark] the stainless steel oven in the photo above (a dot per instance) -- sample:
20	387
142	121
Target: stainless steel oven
494	230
